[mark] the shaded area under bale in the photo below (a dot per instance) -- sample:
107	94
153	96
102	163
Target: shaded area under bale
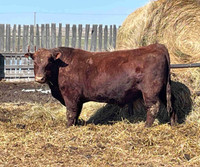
181	103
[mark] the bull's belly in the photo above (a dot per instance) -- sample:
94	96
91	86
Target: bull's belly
121	90
121	97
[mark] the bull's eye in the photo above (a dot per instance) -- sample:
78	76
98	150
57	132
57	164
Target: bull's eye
51	59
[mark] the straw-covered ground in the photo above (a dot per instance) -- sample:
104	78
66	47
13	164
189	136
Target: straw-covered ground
33	133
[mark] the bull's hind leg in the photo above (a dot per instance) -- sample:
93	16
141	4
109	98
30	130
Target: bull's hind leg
152	105
173	118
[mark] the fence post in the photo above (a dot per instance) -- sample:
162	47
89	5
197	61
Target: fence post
94	38
43	43
53	35
100	37
67	28
73	36
19	39
25	38
79	35
8	37
114	36
60	35
105	37
110	37
37	37
2	29
31	38
14	38
87	30
47	36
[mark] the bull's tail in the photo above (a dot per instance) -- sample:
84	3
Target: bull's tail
168	85
171	112
168	95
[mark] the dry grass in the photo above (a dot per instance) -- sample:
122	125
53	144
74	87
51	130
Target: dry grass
43	140
35	135
175	23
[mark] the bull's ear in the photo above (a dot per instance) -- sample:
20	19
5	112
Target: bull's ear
57	55
27	55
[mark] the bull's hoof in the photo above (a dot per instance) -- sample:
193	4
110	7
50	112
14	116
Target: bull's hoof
173	123
69	124
148	125
173	120
81	122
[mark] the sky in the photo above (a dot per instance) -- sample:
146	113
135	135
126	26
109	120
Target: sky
106	12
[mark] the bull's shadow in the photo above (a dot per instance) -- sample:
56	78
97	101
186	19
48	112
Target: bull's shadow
181	103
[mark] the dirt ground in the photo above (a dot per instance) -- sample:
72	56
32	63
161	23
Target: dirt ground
31	92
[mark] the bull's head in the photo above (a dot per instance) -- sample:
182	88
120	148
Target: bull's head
43	60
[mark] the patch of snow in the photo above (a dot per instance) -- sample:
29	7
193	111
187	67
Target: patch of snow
37	90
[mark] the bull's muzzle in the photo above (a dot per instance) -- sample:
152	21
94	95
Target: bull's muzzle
40	79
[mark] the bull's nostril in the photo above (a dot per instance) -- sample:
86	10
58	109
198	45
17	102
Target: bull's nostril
40	79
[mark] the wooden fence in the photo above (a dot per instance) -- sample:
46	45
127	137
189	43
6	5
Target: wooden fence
14	42
91	37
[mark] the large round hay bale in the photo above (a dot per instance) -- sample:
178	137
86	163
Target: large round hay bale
181	102
175	23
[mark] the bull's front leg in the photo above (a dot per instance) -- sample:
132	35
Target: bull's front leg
73	105
73	113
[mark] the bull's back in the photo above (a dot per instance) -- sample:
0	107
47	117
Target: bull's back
105	67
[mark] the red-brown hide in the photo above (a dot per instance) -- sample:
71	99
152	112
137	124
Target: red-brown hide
76	76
